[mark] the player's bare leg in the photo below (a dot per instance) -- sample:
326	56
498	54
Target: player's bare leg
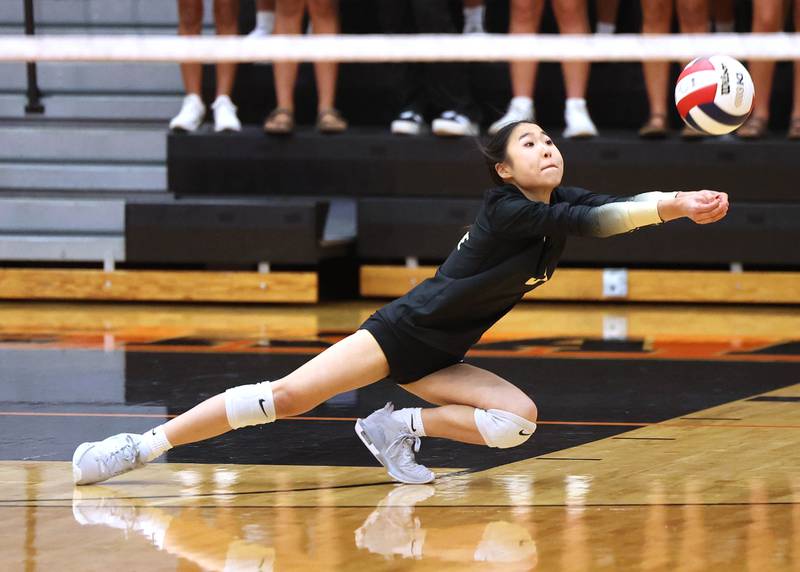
461	389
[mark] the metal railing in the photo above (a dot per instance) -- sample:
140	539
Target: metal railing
34	104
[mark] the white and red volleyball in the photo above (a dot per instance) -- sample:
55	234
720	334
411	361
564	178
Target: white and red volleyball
714	94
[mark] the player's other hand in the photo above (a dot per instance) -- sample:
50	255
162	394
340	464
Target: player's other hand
703	207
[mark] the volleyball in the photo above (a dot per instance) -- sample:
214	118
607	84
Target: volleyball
714	94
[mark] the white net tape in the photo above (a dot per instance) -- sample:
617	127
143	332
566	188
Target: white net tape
381	48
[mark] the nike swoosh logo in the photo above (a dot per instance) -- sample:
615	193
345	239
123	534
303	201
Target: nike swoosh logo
521	432
153	432
261	405
413	429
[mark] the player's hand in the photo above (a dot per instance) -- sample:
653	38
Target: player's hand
703	207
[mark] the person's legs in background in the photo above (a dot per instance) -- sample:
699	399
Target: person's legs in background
656	19
288	20
190	23
768	16
407	101
694	17
325	20
573	18
226	18
794	125
526	16
607	16
724	16
446	84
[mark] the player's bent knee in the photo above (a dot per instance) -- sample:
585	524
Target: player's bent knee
247	405
503	429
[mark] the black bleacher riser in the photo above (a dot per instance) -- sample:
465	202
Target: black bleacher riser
370	162
230	233
391	229
361	162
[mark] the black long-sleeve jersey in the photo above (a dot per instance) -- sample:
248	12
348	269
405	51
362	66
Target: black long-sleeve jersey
512	247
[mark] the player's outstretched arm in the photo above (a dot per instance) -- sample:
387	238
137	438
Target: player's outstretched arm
702	207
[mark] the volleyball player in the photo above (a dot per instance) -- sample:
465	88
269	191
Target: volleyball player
420	339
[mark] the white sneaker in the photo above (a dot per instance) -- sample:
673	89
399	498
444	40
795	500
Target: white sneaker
408	123
101	460
191	115
452	124
579	124
225	115
517	111
393	445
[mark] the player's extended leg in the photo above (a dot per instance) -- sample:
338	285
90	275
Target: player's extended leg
354	362
476	406
573	18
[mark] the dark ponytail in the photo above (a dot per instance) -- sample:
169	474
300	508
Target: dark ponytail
496	149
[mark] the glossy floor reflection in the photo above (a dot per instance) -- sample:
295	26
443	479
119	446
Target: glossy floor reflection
669	442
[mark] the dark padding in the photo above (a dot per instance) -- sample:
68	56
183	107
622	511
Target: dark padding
366	162
755	234
230	232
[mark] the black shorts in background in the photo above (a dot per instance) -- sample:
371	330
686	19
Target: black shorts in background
409	359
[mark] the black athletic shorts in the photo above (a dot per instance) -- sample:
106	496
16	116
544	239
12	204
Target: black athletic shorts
409	359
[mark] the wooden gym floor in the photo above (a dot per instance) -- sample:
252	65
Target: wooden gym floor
669	440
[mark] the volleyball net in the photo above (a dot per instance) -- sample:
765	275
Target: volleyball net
396	48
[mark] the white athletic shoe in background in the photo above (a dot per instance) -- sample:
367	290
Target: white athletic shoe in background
101	460
408	123
191	115
225	118
519	109
452	124
393	445
576	116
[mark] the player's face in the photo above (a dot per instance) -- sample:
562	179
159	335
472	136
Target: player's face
533	161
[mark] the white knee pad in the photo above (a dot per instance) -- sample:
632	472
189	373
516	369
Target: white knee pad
503	429
249	405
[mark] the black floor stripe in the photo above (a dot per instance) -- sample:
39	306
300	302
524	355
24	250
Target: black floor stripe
230	494
787	398
646	438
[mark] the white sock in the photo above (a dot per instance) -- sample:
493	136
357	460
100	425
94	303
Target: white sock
724	27
475	14
605	28
522	102
576	103
265	20
411	417
154	443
